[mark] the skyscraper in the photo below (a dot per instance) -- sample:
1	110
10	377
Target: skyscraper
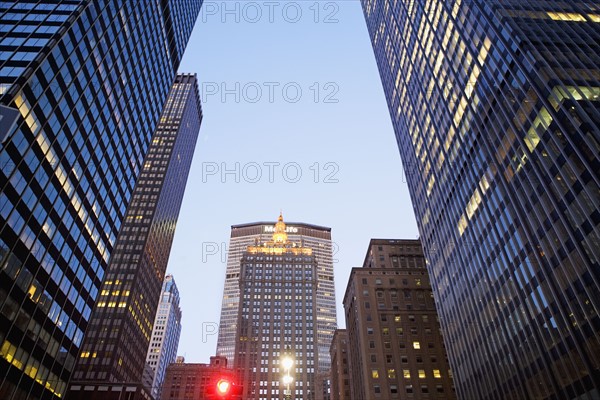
395	347
115	347
315	237
87	82
277	319
165	334
496	109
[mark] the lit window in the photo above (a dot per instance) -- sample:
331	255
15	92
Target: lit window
559	16
406	373
436	373
391	373
375	374
416	345
421	373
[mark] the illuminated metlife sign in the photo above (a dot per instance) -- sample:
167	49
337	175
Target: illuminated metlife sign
271	229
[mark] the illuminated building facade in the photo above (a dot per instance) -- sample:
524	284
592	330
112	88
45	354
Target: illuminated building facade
277	317
118	338
395	346
315	237
166	332
87	84
496	110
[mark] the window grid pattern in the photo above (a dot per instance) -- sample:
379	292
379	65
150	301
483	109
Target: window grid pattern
88	101
496	110
315	237
121	327
277	314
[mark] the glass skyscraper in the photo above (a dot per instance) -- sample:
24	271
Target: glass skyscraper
87	81
115	347
165	334
496	110
317	238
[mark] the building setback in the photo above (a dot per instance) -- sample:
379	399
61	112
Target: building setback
496	110
87	85
276	318
395	346
317	238
191	381
118	338
340	374
165	334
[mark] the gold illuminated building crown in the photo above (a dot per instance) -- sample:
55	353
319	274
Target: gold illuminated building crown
279	236
280	243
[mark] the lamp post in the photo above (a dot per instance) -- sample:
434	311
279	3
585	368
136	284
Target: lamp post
287	362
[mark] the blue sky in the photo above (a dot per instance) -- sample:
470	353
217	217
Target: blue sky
295	119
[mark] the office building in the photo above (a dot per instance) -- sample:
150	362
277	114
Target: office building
315	237
84	84
340	373
496	110
193	381
118	338
277	319
395	346
165	334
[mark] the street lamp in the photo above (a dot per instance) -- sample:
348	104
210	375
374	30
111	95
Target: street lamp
287	362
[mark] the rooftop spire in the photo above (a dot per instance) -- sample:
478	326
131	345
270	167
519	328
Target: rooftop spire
279	236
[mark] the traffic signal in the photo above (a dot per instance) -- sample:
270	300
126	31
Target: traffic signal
224	388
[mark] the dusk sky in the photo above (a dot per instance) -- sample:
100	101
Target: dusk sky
303	91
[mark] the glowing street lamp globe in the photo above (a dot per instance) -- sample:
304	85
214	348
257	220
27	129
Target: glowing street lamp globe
287	379
287	362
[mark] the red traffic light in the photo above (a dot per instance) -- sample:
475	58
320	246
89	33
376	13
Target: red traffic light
223	387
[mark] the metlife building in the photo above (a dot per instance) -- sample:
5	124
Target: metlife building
318	238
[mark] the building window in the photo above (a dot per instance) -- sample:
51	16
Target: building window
375	374
406	373
416	345
436	373
391	373
422	374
